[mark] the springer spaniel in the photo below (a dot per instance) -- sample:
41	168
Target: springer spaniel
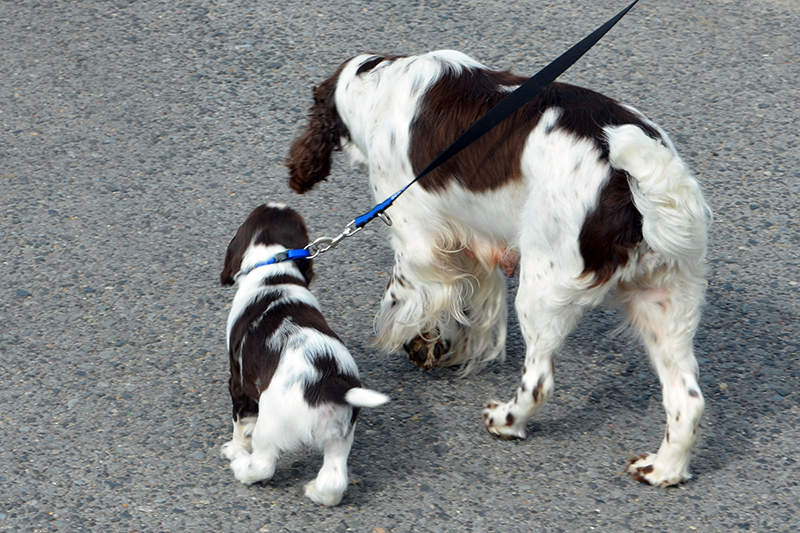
582	193
292	382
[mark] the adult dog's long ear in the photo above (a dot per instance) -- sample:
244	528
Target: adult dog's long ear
309	158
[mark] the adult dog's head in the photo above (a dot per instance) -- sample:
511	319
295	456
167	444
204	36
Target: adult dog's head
267	225
309	158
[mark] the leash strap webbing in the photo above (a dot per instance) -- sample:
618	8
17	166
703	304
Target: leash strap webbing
507	106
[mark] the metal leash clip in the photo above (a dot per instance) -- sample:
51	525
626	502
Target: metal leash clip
323	244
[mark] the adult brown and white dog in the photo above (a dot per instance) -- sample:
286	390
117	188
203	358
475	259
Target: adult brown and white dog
583	193
293	382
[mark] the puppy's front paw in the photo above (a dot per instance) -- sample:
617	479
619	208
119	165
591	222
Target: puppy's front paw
501	423
329	498
231	450
645	469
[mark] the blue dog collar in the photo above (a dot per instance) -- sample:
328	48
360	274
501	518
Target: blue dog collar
280	257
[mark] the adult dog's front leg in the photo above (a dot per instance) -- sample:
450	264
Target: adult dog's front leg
442	315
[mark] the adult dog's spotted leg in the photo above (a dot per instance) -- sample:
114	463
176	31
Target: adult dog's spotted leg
665	308
548	311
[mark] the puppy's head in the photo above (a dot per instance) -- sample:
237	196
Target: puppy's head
267	225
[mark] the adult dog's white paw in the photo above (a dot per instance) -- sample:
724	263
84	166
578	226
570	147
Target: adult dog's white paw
645	468
500	422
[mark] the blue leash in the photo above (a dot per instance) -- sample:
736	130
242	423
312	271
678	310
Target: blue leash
508	105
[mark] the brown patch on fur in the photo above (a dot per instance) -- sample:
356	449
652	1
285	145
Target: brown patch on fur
537	390
610	232
585	113
457	100
450	106
637	458
614	228
509	419
371	63
309	158
332	386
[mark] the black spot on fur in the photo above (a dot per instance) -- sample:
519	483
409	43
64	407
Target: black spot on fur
332	383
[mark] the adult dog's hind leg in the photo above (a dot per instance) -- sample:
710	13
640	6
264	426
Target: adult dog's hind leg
664	307
549	303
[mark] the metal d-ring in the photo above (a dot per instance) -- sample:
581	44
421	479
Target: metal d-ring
385	218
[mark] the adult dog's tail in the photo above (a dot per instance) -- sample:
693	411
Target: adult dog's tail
674	214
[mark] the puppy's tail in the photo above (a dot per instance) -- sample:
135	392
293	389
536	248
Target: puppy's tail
358	397
674	214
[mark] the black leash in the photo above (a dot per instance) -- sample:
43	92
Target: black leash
508	105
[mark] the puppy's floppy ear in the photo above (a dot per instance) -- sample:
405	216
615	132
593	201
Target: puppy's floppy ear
306	269
233	261
238	246
309	158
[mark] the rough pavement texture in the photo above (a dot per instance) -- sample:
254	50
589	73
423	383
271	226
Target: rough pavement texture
137	135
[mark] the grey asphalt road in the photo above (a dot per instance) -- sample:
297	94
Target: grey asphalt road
136	136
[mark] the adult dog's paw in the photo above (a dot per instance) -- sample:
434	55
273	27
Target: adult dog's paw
501	423
645	468
425	352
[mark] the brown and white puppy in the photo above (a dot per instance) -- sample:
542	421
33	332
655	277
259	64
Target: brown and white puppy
584	194
293	382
